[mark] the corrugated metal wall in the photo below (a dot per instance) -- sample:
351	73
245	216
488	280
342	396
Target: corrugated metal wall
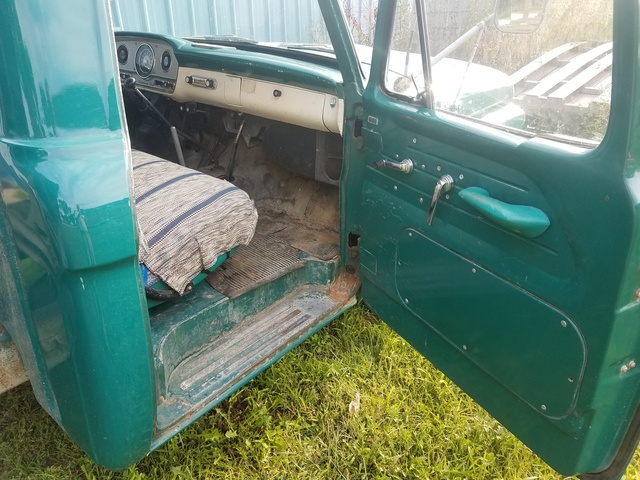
262	20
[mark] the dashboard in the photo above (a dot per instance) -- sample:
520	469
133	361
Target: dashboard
262	84
151	62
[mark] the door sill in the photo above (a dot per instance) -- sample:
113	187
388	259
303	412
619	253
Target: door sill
220	367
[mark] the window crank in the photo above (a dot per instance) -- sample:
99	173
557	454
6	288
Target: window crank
444	185
405	166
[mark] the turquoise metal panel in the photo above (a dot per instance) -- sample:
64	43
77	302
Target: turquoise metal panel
511	334
70	289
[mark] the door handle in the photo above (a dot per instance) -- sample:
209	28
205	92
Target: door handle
444	185
527	221
405	166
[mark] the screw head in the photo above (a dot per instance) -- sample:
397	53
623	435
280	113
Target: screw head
473	270
415	140
395	188
461	177
438	168
543	407
563	323
422	200
624	369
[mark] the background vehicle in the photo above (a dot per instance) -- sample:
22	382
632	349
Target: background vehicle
506	256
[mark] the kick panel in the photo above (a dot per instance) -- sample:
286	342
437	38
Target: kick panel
484	316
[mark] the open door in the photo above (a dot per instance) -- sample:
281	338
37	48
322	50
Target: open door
499	236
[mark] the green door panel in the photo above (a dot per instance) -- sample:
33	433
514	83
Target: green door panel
537	262
523	289
531	348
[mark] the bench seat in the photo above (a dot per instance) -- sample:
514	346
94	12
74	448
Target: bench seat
187	221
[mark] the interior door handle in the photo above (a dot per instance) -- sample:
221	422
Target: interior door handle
405	166
527	221
444	185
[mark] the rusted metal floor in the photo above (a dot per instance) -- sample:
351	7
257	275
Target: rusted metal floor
265	259
279	246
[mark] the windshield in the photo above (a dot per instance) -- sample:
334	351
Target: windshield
289	24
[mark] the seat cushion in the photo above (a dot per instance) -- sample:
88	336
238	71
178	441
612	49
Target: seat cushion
186	219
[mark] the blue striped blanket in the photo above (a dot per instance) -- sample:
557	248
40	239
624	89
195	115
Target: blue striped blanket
186	219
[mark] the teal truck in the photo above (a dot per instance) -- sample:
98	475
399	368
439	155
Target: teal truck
183	205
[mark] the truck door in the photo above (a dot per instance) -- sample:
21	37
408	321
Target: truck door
499	233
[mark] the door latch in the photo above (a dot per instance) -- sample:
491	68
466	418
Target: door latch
444	185
405	166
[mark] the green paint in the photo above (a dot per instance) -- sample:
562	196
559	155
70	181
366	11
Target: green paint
160	285
530	306
528	221
494	283
70	287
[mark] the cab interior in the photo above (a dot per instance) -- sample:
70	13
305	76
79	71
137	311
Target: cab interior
278	141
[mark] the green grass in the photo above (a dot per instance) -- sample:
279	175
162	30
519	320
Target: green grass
293	421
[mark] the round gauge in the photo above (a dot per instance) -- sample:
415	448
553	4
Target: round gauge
123	54
144	60
166	60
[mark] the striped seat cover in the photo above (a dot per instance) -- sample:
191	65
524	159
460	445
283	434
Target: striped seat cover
186	219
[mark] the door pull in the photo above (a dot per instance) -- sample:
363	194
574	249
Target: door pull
530	222
405	166
444	185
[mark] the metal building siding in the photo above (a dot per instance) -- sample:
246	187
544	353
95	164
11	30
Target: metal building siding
263	20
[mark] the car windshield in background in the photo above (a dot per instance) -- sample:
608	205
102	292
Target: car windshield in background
287	24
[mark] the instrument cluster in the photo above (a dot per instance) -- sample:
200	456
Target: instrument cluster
151	62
